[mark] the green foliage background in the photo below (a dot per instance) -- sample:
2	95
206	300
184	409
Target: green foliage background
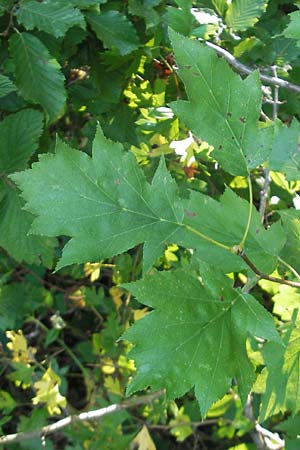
132	226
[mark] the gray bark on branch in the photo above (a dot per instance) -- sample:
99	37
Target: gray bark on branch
89	415
242	68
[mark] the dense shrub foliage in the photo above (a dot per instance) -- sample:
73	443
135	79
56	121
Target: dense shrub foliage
150	225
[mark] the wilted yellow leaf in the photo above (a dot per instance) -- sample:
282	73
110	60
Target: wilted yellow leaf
107	366
116	294
143	440
140	313
18	346
113	385
48	392
92	270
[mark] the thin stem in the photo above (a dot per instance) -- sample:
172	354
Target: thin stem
265	276
64	346
284	263
265	189
247	70
242	243
207	238
89	415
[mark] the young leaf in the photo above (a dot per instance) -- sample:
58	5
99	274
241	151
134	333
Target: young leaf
222	109
114	30
243	14
196	335
52	17
48	392
285	154
38	75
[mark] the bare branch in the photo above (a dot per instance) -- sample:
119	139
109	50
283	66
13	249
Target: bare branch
265	189
89	415
265	276
247	70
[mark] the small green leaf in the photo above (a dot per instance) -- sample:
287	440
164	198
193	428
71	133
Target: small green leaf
285	154
291	225
292	31
52	17
114	30
243	14
222	109
282	375
6	86
19	138
7	403
15	224
196	335
38	75
220	6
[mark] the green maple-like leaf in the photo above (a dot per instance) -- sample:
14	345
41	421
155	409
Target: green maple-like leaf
281	377
38	75
243	14
52	17
223	109
114	30
285	154
106	206
225	222
196	335
105	203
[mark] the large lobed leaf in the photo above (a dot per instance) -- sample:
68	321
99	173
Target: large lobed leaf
106	206
196	335
38	75
223	109
105	203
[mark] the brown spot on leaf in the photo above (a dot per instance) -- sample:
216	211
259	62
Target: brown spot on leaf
188	213
117	181
229	114
243	119
221	298
220	147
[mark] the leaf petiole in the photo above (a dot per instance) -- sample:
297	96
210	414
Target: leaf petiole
242	243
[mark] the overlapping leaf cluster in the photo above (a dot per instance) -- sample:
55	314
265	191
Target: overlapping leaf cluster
96	96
